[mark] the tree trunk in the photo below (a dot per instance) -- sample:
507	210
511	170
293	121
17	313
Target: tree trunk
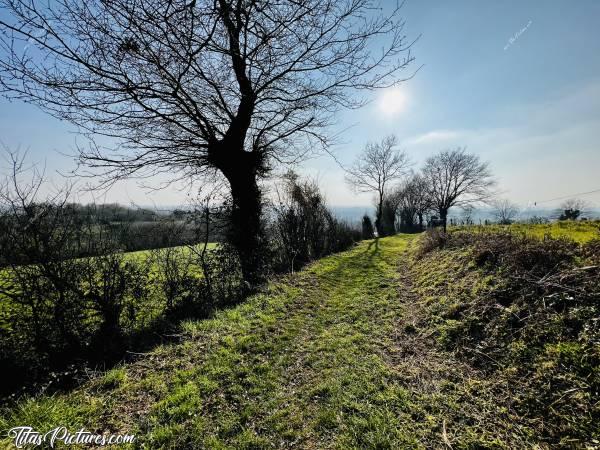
444	218
245	233
378	217
242	170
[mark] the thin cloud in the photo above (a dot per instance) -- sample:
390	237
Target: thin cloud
435	137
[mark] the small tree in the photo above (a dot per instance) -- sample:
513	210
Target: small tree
456	178
505	211
572	209
413	202
375	169
467	215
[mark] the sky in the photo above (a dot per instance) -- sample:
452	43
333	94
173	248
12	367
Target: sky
515	82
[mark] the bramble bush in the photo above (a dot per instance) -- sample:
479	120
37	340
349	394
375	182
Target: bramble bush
303	229
525	311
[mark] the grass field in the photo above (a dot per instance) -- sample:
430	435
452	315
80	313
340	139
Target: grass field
339	355
146	253
150	311
578	231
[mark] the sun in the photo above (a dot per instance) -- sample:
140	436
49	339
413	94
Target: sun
392	101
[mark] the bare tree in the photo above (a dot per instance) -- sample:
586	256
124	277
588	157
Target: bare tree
457	178
376	168
467	212
572	209
413	201
505	211
199	88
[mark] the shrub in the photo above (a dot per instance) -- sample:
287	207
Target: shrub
303	229
110	286
222	281
367	228
173	275
387	227
591	251
432	239
520	253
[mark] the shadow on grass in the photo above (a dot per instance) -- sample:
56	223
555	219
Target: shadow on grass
65	374
373	242
69	370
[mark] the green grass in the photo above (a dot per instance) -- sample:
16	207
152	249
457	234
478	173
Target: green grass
141	254
335	356
301	365
578	231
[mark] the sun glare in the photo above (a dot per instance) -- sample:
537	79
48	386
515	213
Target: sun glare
392	101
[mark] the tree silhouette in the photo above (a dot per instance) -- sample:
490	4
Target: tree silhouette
505	211
572	209
456	178
202	88
413	201
375	169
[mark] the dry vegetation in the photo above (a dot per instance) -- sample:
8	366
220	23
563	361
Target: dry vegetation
525	312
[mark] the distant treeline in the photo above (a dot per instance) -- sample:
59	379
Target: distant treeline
122	228
113	212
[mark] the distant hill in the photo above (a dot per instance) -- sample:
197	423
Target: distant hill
481	214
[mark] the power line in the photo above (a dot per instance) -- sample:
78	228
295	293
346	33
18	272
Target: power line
568	196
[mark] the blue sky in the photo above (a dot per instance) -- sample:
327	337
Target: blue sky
531	107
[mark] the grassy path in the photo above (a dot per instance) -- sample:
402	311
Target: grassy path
304	369
327	358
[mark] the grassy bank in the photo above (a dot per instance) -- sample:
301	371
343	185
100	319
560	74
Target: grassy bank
523	311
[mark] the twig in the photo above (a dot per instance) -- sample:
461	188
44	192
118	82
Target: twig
484	354
445	435
137	353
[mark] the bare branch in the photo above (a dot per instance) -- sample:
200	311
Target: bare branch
183	86
377	167
457	178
